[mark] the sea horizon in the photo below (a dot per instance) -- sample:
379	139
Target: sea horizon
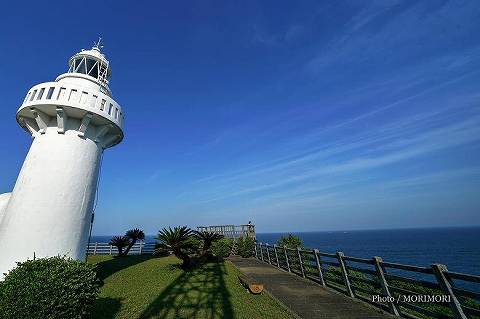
454	246
335	231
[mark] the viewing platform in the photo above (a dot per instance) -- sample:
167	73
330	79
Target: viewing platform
231	231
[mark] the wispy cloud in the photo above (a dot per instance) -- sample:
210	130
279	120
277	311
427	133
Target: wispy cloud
338	160
389	135
155	175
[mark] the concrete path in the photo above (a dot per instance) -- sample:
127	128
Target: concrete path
305	298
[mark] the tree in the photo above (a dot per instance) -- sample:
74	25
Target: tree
178	241
120	242
291	241
245	246
207	238
133	236
222	248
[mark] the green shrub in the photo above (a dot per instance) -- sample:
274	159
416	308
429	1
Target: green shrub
51	288
222	248
160	251
291	241
245	247
194	245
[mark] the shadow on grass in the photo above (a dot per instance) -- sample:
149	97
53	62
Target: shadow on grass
106	308
107	268
199	293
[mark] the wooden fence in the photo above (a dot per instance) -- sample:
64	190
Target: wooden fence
403	290
139	248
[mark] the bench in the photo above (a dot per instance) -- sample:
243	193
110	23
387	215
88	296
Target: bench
252	286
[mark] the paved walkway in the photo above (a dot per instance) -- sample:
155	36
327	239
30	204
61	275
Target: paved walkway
305	298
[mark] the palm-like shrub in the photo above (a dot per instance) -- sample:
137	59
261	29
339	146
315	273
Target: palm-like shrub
207	238
133	236
178	241
120	242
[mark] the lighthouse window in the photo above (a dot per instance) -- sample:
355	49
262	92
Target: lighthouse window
33	95
94	100
61	93
73	95
92	67
40	94
80	66
50	93
102	105
83	97
110	108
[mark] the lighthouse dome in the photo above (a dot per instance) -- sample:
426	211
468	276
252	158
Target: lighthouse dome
90	65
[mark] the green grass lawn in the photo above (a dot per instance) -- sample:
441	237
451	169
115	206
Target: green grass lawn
146	287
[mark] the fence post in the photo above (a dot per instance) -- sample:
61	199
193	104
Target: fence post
276	254
261	251
319	267
267	246
446	286
95	248
255	248
300	261
141	247
383	282
341	262
286	258
110	251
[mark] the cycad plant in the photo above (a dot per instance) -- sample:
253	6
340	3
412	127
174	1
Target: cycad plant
133	236
207	239
120	242
177	240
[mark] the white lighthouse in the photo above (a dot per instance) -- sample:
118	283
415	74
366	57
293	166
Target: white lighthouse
71	120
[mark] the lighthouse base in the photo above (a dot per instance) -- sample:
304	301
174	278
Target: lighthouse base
49	211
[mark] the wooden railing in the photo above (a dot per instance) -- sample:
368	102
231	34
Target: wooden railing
231	231
139	248
403	290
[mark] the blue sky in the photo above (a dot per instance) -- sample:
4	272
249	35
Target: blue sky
298	116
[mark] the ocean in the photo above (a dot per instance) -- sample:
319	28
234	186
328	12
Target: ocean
458	248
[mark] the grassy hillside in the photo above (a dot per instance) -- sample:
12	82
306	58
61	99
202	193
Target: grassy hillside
146	287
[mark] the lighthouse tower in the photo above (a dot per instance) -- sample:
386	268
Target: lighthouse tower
72	121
